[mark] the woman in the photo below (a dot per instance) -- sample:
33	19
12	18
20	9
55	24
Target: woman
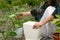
47	3
53	3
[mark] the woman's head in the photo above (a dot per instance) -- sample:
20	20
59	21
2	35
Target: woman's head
58	1
53	2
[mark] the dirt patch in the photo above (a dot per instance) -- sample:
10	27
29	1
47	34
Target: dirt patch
57	34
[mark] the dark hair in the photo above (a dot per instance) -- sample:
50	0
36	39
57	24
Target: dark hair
54	3
37	13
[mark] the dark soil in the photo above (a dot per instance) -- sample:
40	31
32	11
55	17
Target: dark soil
57	34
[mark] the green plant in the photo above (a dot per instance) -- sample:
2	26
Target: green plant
57	22
34	2
9	33
8	19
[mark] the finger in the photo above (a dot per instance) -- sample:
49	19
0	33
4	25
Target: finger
34	26
19	16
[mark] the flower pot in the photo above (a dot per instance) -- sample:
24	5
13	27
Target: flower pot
56	36
19	33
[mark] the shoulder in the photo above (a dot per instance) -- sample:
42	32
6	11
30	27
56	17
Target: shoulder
51	7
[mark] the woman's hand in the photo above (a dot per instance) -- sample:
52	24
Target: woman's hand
37	25
23	14
20	16
43	22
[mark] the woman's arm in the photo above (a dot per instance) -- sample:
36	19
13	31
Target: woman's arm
43	22
48	19
23	14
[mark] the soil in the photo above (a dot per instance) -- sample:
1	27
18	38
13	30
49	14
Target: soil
57	34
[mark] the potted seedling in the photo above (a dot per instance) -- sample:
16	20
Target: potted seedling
56	34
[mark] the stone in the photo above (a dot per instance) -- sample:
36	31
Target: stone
1	36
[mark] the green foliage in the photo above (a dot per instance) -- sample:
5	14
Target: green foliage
5	34
12	33
10	14
4	4
11	3
34	2
18	23
57	21
58	30
9	33
13	22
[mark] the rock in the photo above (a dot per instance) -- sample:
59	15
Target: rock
1	36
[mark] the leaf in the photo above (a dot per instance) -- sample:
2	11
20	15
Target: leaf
17	25
5	34
12	33
57	22
58	30
13	15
